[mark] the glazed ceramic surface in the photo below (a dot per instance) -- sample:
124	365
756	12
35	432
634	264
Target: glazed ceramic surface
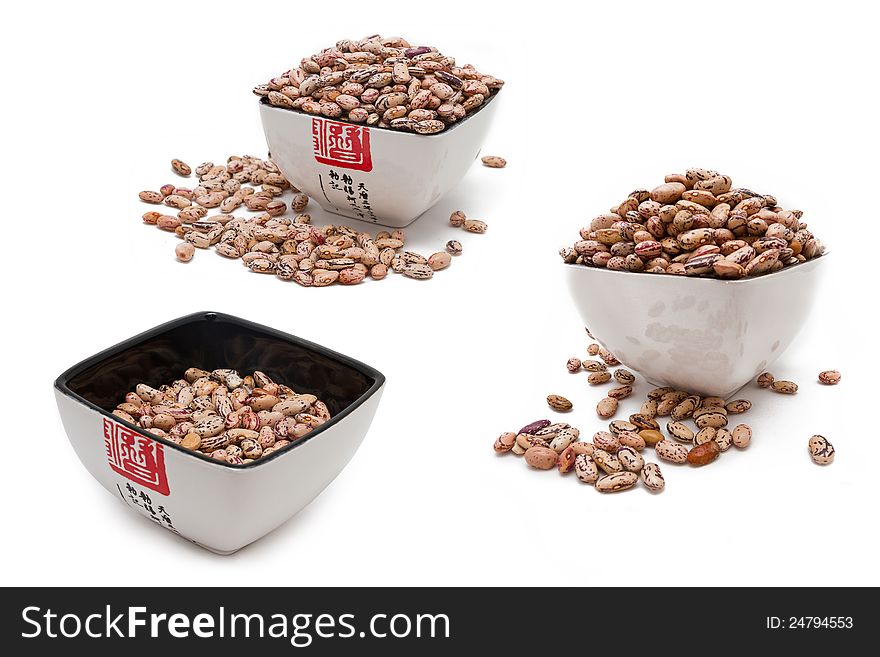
702	335
218	506
383	176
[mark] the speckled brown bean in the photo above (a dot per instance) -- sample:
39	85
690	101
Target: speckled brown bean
439	260
598	378
607	407
453	247
585	468
624	376
632	440
541	458
494	162
705	435
457	219
181	168
475	226
652	477
583	448
738	406
680	431
711	419
505	442
741	435
765	380
649	408
618	481
784	387
607	441
573	364
821	451
606	461
644	422
559	403
670	451
184	251
704	454
630	459
724	439
621	392
595	366
829	377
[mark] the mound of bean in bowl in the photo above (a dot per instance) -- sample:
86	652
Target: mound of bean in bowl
224	415
696	224
383	82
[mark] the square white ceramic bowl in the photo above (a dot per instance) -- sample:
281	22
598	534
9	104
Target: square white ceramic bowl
218	506
703	335
384	176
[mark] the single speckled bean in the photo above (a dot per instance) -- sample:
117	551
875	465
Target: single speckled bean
184	251
585	468
181	168
741	435
453	247
606	461
598	378
573	364
711	419
475	226
541	458
821	451
680	431
670	451
784	387
621	392
630	459
559	403
596	366
607	407
649	408
494	161
607	441
618	481
738	406
535	426
631	439
705	435
618	426
829	377
644	422
765	380
652	477
624	376
457	219
724	439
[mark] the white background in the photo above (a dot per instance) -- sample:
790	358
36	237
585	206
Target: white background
601	98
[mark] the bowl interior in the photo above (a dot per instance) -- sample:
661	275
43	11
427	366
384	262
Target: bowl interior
213	340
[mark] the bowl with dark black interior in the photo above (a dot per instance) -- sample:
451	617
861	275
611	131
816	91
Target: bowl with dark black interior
217	505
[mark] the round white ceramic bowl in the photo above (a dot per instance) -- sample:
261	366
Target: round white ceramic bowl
218	506
702	335
387	177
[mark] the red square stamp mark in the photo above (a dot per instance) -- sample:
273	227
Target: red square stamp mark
135	457
342	144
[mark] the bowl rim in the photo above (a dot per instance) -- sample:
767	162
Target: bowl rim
61	383
264	104
708	280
